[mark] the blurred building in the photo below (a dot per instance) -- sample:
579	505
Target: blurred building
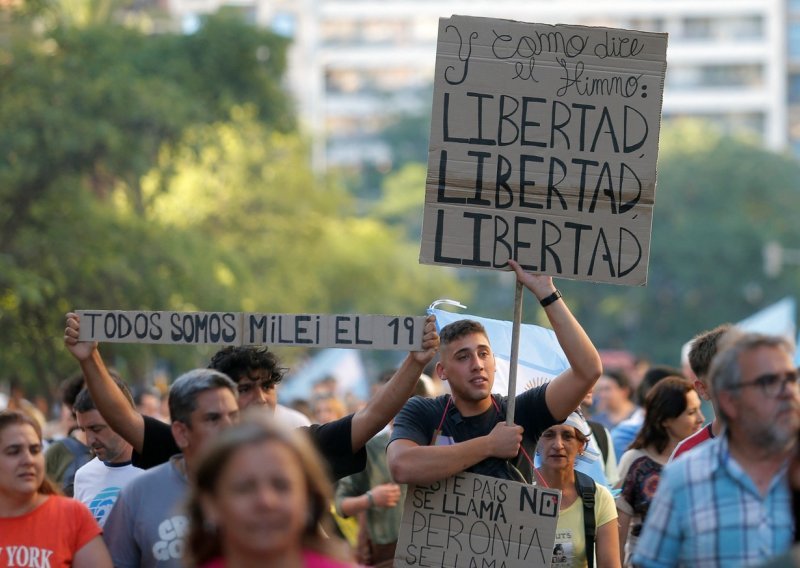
358	64
793	56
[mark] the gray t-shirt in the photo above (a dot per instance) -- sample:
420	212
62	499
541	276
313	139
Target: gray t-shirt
148	524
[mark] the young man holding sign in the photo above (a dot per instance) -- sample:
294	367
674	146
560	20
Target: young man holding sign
434	439
341	442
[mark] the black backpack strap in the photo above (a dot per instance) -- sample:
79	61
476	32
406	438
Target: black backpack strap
586	488
599	433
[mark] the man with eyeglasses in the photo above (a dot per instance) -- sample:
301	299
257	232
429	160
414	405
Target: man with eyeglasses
727	502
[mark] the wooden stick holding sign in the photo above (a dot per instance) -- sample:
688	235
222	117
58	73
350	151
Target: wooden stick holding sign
512	371
349	331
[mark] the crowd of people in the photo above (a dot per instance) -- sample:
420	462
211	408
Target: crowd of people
232	478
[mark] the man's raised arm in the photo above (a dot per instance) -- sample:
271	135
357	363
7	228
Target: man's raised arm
393	395
565	393
110	402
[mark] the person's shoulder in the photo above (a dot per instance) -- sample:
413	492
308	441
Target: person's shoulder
603	492
67	505
88	468
630	456
535	393
290	417
695	466
692	441
156	426
631	423
57	448
313	559
145	481
426	404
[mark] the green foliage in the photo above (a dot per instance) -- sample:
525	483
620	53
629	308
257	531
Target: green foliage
719	201
164	172
403	198
251	191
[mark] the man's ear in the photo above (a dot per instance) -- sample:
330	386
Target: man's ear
701	389
727	404
440	371
180	432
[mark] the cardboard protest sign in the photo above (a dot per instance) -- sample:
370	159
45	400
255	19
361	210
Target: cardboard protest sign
234	328
543	148
473	520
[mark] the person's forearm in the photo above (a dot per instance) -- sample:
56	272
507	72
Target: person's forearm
111	403
386	403
426	464
351	506
624	521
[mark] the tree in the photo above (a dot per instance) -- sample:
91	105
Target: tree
251	191
719	200
87	113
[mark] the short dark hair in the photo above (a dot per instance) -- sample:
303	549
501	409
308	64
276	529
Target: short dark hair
652	377
184	391
84	402
237	362
703	349
459	329
621	378
141	391
70	387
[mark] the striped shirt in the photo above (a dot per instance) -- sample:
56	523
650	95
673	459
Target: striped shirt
707	512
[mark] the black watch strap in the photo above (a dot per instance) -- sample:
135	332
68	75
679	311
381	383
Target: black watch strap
550	299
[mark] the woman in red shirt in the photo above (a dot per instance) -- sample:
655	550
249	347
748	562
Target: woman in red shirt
37	526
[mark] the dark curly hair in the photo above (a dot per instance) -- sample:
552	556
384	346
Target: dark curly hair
237	362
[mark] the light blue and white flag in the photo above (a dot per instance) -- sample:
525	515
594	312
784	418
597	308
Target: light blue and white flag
776	319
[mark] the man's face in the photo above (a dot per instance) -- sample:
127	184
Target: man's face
257	388
610	396
149	405
106	444
769	421
216	410
468	365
